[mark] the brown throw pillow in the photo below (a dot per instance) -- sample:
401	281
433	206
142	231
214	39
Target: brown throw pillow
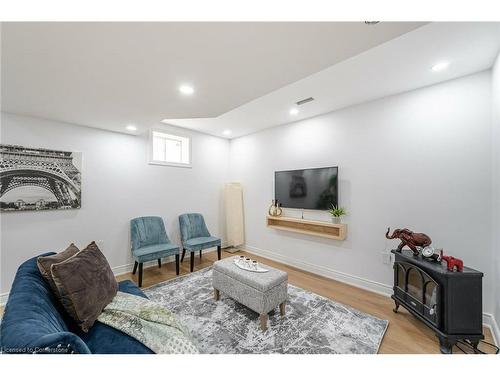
44	264
86	285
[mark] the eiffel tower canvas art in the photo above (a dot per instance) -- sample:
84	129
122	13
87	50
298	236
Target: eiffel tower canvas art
39	179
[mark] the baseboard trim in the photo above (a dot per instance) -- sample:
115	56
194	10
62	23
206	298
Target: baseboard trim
372	286
119	270
126	268
3	298
490	322
359	282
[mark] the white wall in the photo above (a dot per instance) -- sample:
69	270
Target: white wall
496	182
420	160
117	185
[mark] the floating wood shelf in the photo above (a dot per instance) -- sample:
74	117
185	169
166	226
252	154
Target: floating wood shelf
312	227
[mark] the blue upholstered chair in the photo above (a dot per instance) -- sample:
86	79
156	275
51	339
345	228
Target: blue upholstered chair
150	241
195	236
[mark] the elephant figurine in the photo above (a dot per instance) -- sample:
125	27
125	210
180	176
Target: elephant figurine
410	239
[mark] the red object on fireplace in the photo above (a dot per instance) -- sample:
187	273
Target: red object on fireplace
453	264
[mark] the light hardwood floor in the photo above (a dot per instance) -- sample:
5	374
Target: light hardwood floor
405	334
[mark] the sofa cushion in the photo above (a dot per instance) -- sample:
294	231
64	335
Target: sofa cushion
86	285
103	339
34	320
45	262
31	320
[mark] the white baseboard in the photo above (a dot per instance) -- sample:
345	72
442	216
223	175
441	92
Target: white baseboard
3	298
118	270
126	268
490	322
370	285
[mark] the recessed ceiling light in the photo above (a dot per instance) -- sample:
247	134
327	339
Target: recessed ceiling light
186	90
442	65
131	128
227	132
294	111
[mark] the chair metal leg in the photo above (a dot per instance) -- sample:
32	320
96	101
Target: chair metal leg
177	264
140	274
183	253
159	263
192	260
219	252
200	254
135	268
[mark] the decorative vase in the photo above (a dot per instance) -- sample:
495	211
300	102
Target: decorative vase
336	219
272	208
275	209
279	211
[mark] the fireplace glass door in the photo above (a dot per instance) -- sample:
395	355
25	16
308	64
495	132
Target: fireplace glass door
417	290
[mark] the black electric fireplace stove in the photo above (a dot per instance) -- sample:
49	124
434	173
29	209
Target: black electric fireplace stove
450	303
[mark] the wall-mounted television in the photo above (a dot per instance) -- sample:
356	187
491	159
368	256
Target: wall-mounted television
314	189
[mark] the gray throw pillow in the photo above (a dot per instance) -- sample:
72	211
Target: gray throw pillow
44	264
86	285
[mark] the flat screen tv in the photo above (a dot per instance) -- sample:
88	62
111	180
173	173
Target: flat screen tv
314	189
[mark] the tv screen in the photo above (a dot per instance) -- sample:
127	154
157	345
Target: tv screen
314	189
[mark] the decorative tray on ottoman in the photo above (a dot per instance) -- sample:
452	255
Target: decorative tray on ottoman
243	264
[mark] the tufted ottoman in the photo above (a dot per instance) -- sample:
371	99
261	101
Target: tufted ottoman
260	292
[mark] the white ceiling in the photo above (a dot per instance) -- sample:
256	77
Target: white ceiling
399	65
247	75
109	75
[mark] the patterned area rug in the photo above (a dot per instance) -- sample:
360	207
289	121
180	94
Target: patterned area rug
312	324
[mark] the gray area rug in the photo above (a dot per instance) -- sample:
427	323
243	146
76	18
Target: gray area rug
312	324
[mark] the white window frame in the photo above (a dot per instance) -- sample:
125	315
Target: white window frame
174	134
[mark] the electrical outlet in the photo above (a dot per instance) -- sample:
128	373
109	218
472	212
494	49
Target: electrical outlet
387	258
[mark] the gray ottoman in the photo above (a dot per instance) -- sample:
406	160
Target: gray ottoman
261	292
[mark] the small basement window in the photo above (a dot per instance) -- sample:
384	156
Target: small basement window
169	149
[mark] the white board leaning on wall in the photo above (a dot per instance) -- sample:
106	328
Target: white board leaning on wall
233	199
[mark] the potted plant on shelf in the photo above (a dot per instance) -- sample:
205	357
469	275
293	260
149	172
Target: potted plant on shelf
337	213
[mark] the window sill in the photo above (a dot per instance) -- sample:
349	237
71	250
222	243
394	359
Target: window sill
168	164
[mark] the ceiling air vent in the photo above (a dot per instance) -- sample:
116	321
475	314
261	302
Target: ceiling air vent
304	101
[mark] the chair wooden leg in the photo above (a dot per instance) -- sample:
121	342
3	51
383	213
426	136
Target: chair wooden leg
177	264
192	260
159	263
183	253
200	254
219	252
140	274
135	268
